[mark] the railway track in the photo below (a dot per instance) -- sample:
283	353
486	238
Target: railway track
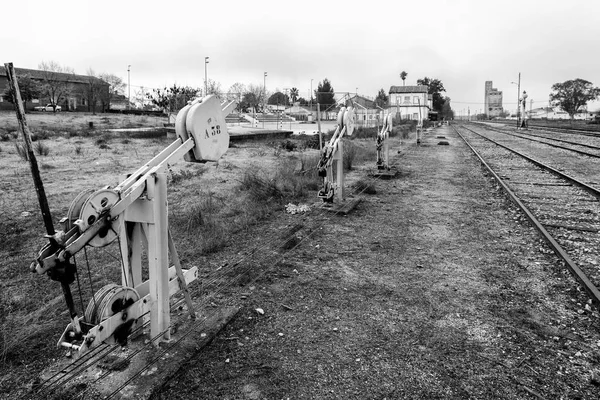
567	159
589	146
592	131
564	209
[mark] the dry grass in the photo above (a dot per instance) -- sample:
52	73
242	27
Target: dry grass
210	207
74	124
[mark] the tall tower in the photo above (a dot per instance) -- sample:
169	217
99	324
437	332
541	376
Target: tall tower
492	101
486	102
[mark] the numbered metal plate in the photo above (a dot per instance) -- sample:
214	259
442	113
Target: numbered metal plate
205	122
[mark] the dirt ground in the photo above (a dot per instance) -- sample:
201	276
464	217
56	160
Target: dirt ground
434	287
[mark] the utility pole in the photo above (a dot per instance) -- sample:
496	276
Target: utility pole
265	98
311	93
518	94
205	77
128	86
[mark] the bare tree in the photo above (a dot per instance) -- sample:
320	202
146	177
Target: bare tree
116	87
96	90
55	82
214	87
236	92
254	96
141	98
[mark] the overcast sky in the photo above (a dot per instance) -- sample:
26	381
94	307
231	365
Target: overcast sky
362	45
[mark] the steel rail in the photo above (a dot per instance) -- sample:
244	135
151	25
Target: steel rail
592	190
589	287
584	132
531	137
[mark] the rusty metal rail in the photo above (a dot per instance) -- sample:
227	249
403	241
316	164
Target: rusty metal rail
588	286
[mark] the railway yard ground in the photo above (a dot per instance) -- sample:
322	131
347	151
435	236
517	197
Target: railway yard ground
435	287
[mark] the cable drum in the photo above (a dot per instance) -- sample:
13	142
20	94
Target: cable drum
75	208
349	121
95	205
108	301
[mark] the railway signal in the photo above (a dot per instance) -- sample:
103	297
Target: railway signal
383	145
135	213
523	105
333	153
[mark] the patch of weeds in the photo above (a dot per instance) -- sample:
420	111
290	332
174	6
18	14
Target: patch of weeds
309	163
259	185
288	145
21	151
40	135
364	133
202	220
183	175
78	150
126	141
364	186
350	152
4	137
102	141
41	149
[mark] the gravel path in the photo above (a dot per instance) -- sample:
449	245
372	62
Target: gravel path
435	287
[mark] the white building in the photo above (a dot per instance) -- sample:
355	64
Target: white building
410	102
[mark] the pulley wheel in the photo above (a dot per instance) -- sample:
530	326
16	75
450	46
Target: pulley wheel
349	121
108	301
92	209
75	208
340	117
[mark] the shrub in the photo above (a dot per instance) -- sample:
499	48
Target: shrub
41	149
364	186
47	166
350	151
288	145
364	133
259	186
21	151
180	176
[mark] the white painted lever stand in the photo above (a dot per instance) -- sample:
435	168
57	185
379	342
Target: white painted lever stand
136	212
383	145
332	152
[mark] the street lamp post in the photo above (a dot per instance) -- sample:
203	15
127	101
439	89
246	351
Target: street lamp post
128	86
311	93
264	98
518	94
205	76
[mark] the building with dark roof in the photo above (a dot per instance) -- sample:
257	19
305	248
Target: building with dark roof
410	102
79	90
